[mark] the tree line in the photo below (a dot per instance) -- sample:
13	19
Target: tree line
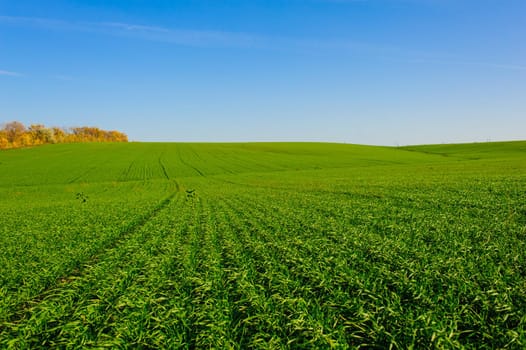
15	135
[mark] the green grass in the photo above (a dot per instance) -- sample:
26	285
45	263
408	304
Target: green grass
263	245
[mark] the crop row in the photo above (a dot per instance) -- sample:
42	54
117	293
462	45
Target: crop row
422	256
45	240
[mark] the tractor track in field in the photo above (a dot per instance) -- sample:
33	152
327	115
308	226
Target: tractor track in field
124	174
189	165
78	177
196	154
163	168
18	312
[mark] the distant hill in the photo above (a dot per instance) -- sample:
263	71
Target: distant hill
65	163
482	150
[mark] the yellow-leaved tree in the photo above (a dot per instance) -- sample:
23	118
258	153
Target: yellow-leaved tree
14	135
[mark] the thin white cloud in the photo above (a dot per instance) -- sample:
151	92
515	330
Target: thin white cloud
9	73
211	38
180	36
152	33
214	38
503	66
471	63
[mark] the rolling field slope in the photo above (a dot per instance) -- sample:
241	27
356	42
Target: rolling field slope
263	245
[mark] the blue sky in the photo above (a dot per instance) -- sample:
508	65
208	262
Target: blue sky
387	72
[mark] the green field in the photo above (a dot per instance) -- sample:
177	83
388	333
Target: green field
263	245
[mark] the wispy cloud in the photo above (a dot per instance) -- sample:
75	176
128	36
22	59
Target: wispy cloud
181	36
498	65
145	32
471	63
214	38
9	73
